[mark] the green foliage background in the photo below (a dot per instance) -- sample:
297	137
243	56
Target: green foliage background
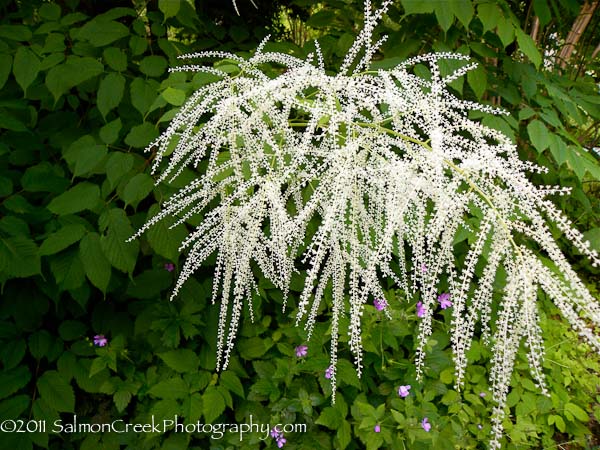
84	88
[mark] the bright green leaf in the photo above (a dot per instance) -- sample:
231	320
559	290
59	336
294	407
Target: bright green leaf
115	58
100	32
153	66
137	189
539	135
80	197
141	135
529	47
169	8
109	133
61	239
174	96
181	360
213	404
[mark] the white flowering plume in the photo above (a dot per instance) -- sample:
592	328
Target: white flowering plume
361	177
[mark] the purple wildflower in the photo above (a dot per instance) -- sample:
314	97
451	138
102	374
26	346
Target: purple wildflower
281	441
301	351
275	434
380	304
423	268
444	300
403	391
425	424
420	309
329	372
100	340
482	394
377	428
169	267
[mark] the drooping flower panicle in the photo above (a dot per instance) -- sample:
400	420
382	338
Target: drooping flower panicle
363	176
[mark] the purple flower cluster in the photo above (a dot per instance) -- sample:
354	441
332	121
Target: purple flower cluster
301	351
100	340
403	391
425	424
443	300
380	304
169	267
329	372
278	436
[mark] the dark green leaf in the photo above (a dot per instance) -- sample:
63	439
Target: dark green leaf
121	254
213	404
172	388
80	197
169	8
528	47
153	66
109	133
141	135
143	93
15	32
57	392
19	257
232	383
61	239
67	269
49	11
26	67
138	189
5	67
463	10
100	32
118	164
14	407
165	240
115	58
538	133
110	92
12	380
96	266
76	70
444	15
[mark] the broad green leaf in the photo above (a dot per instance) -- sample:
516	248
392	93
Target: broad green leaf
330	417
169	8
213	404
137	189
344	434
174	96
118	164
181	360
109	133
13	407
115	58
15	32
80	197
43	178
6	186
100	32
19	257
12	380
488	13
232	383
10	122
61	239
153	66
49	11
67	269
40	343
110	92
143	93
444	15
173	388
539	135
192	407
593	237
5	67
463	10
541	9
417	7
505	31
61	78
528	47
577	412
165	240
96	266
69	330
141	135
57	392
121	254
26	67
121	399
84	155
149	284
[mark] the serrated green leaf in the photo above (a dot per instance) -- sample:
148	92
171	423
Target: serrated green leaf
121	399
213	404
192	407
477	79
138	189
121	254
577	412
57	392
143	93
181	360
169	8
539	135
344	434
109	133
115	58
118	164
444	15
165	240
153	66
100	32
141	135
43	178
232	383
96	266
505	30
174	96
172	388
20	256
12	380
61	239
67	269
110	92
79	198
13	407
40	343
61	78
330	417
463	10
26	67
